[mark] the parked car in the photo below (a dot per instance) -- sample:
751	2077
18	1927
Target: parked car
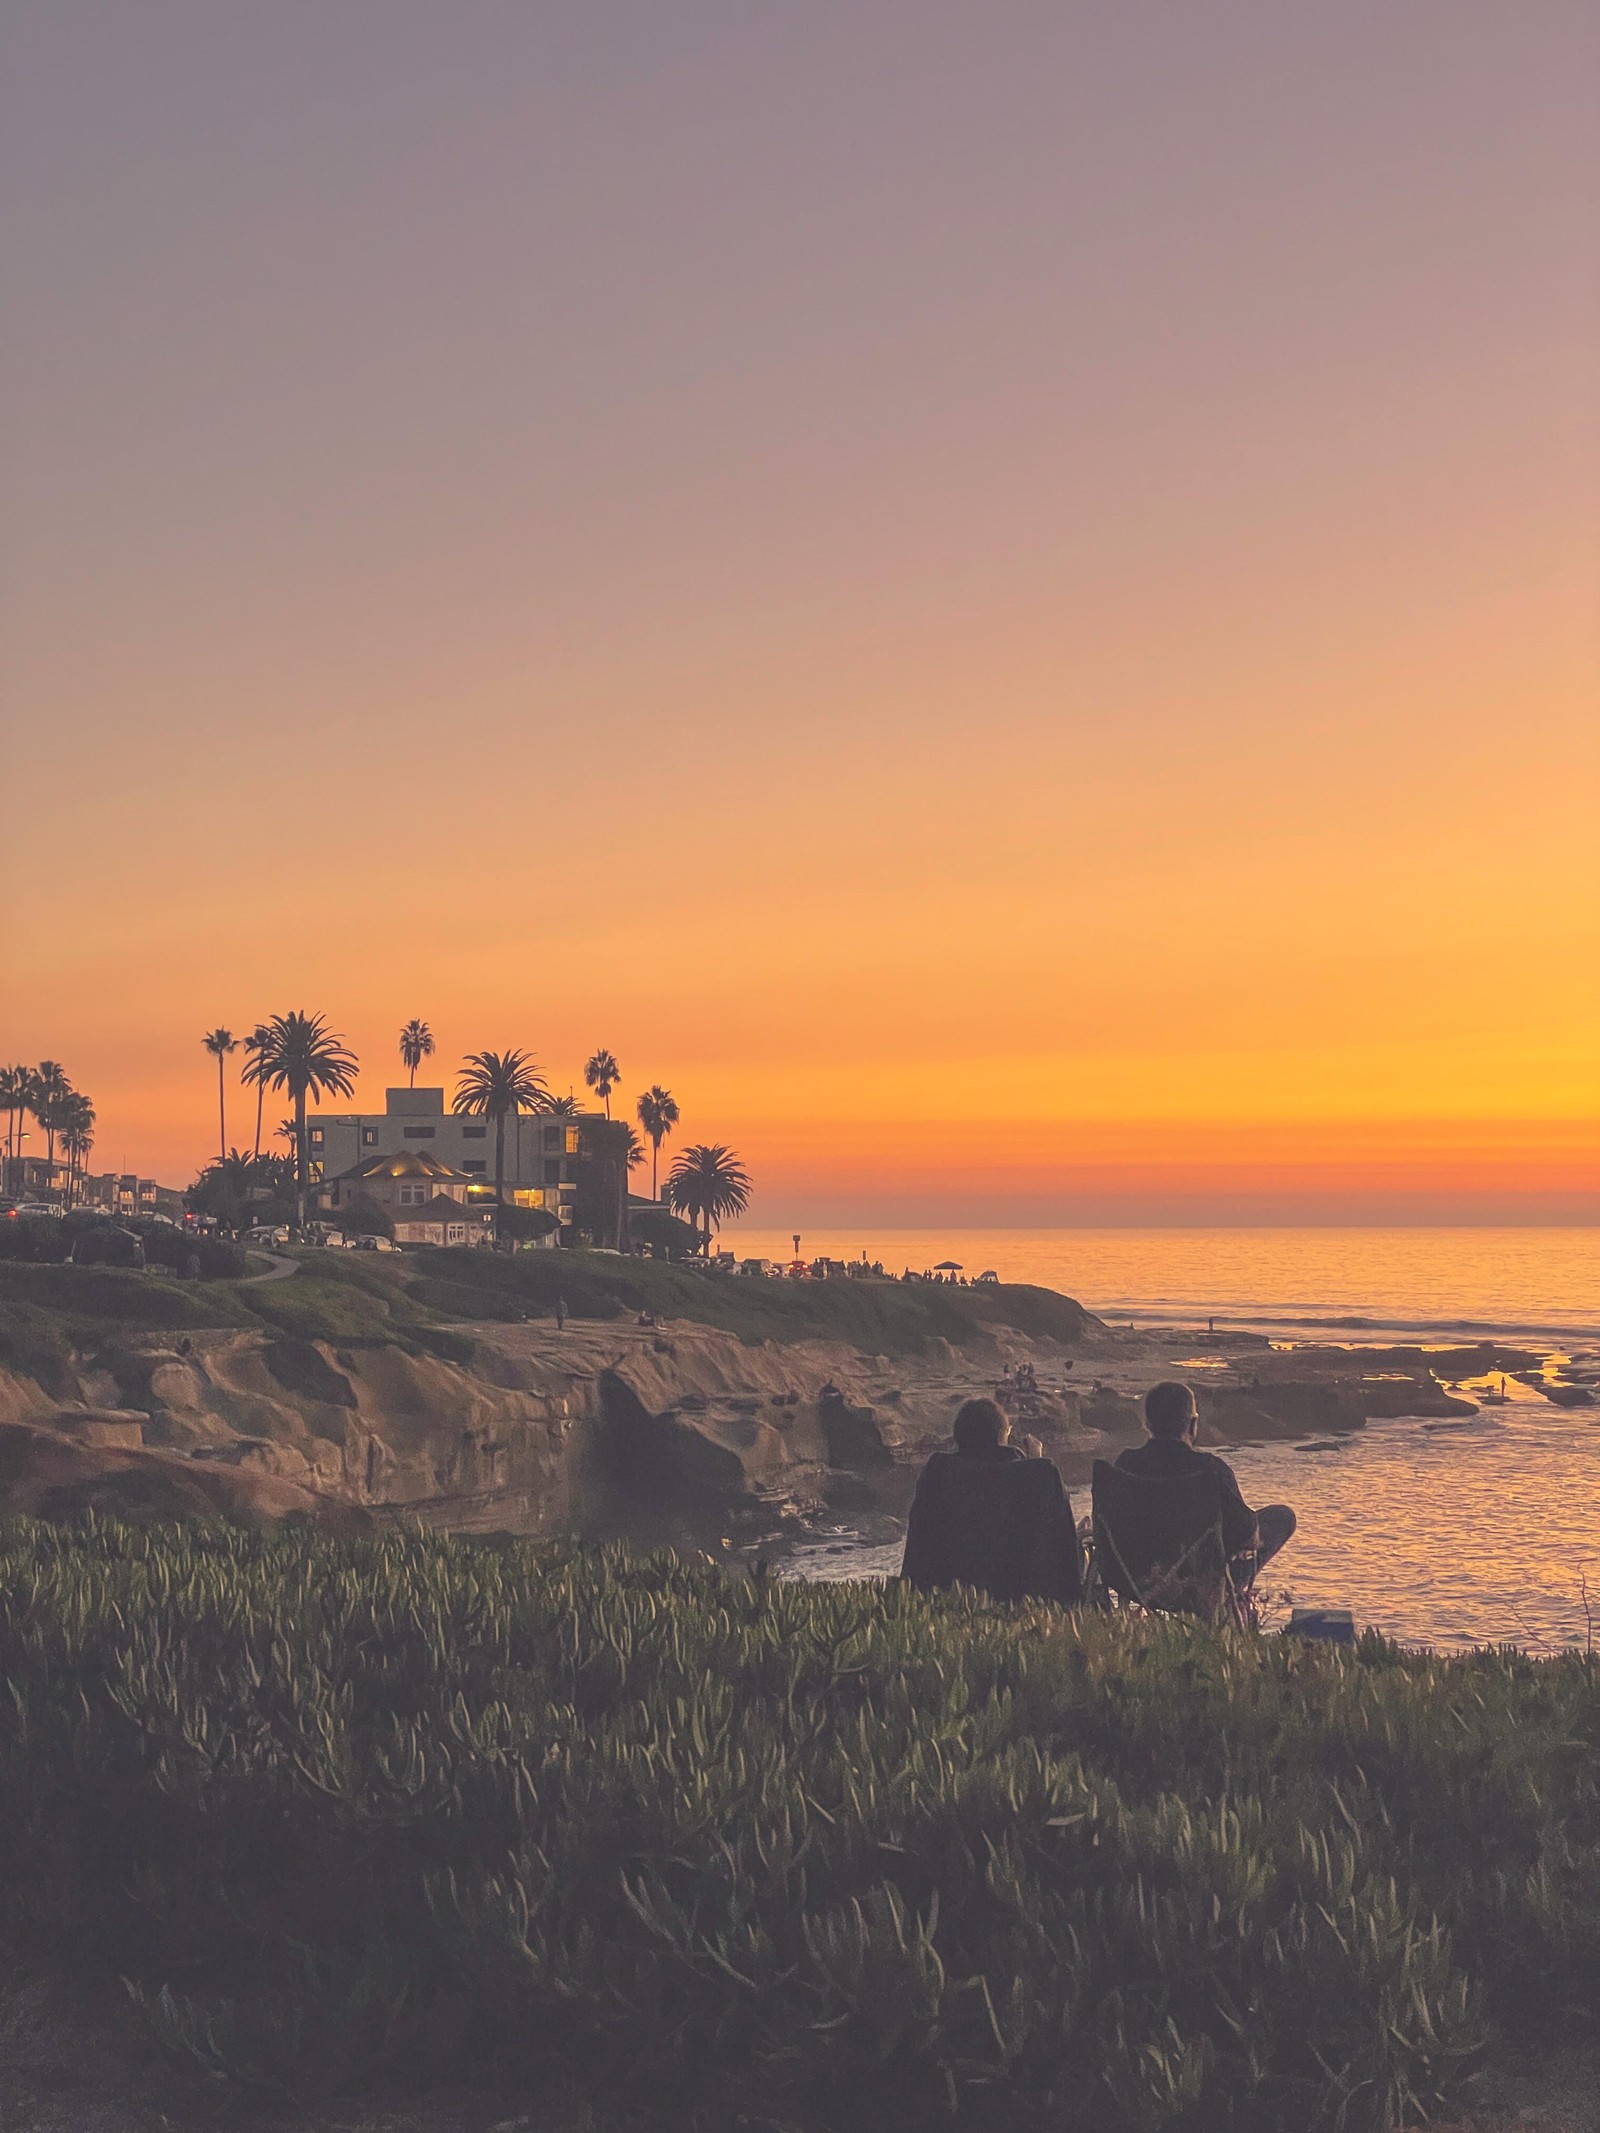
39	1207
263	1234
375	1244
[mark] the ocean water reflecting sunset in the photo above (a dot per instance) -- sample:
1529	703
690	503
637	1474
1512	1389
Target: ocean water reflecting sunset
1441	1531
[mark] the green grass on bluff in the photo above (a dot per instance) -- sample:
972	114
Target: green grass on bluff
348	1295
356	1818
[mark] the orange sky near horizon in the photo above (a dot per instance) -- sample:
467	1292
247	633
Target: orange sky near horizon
1007	603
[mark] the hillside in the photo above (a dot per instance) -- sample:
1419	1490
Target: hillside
361	1820
441	1386
335	1294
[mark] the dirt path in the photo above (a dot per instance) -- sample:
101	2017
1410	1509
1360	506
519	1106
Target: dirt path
278	1269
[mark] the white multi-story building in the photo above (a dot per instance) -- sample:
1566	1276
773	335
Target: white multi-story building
542	1154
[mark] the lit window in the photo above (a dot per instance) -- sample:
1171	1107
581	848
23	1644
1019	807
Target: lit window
369	1136
572	1140
316	1136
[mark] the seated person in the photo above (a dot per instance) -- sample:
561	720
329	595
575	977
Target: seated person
987	1514
1250	1538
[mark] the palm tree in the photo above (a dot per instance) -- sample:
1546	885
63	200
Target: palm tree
254	1046
416	1044
499	1085
658	1114
708	1182
563	1107
602	1074
50	1085
24	1097
14	1084
219	1043
633	1144
75	1115
301	1054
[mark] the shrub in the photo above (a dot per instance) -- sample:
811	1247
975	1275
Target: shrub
35	1240
667	1232
363	1217
192	1253
409	1809
524	1225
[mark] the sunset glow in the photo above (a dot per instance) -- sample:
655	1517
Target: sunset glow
1005	601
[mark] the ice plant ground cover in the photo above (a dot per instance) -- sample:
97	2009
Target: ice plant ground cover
355	1817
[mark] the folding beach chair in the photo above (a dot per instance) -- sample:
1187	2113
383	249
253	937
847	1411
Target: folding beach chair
1158	1545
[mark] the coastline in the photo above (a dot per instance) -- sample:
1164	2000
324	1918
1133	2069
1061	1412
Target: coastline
746	1419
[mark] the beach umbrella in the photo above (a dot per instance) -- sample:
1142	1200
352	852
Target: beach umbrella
948	1266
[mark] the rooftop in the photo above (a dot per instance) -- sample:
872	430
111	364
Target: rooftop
413	1163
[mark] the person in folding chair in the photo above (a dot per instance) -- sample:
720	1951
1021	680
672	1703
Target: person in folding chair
1172	1530
989	1515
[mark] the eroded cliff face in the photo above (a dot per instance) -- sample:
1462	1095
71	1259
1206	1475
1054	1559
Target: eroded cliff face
675	1432
678	1432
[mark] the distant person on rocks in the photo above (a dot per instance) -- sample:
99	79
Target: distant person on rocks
990	1515
1250	1538
561	1314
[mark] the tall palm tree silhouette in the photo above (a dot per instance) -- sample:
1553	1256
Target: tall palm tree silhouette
602	1074
658	1114
50	1086
300	1054
76	1117
15	1082
250	1073
416	1044
707	1183
499	1085
219	1043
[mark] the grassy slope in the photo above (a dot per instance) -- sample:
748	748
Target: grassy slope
388	1812
338	1295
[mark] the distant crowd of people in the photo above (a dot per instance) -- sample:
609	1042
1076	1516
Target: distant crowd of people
997	1515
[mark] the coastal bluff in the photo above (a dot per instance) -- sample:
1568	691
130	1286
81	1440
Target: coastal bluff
671	1406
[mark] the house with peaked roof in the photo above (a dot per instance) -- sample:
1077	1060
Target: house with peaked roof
425	1200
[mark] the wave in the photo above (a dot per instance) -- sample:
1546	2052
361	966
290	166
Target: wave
1288	1318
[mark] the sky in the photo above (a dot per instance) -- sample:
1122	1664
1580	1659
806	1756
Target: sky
1004	598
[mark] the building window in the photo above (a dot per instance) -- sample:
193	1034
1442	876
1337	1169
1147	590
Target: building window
316	1136
529	1196
572	1140
552	1138
418	1133
455	1233
314	1173
411	1196
474	1166
473	1133
369	1136
552	1173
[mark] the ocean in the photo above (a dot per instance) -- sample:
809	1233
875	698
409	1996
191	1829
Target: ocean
1449	1533
1353	1284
